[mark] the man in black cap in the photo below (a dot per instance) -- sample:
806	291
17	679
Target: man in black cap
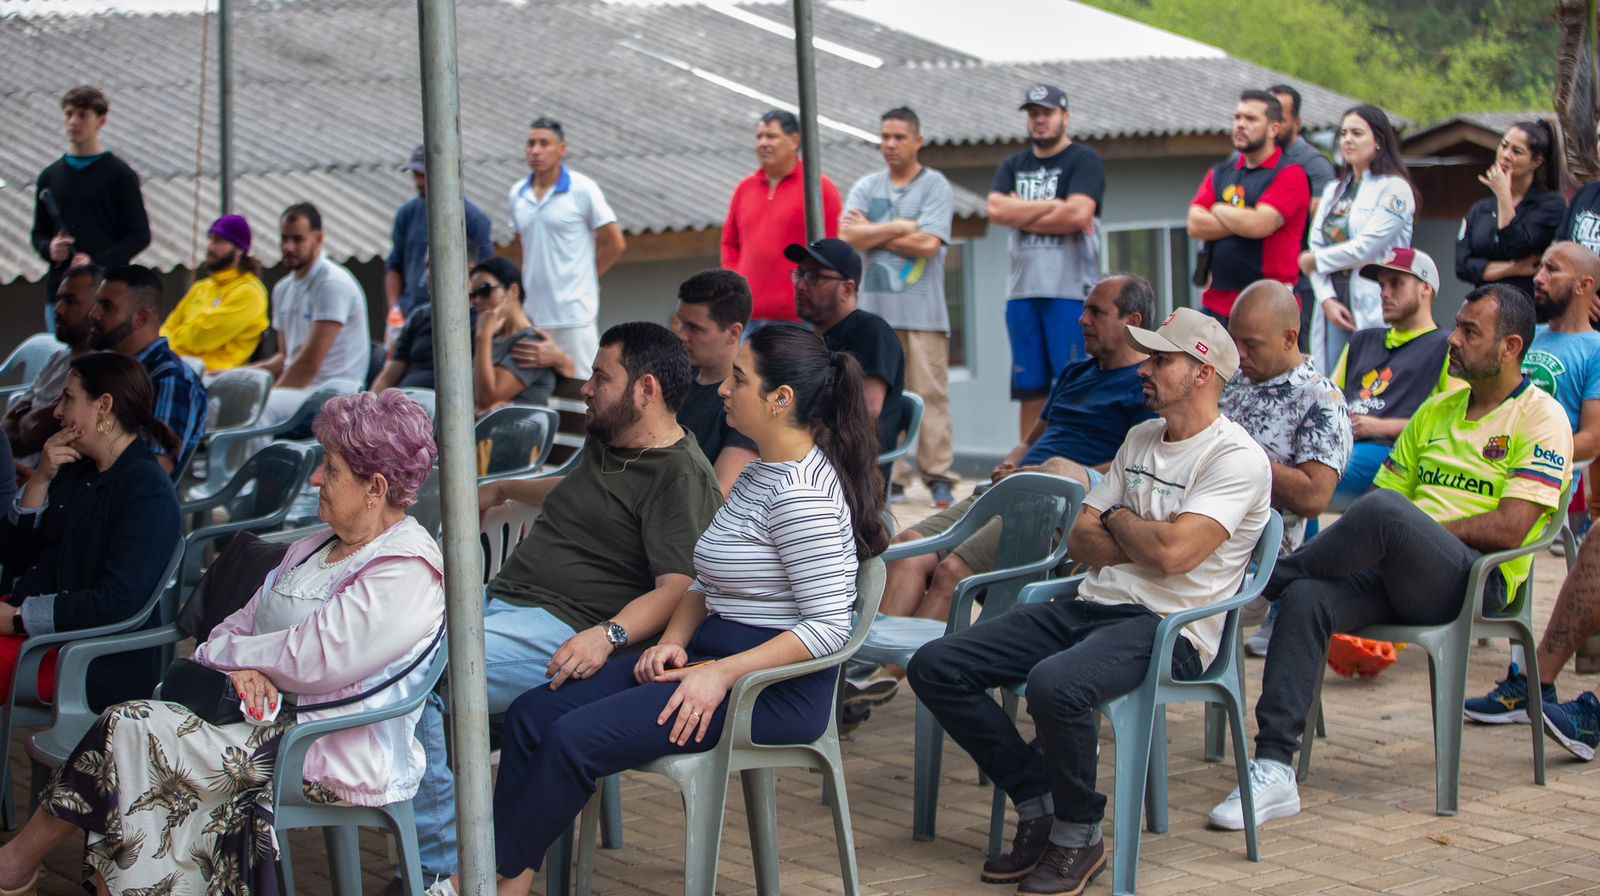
825	279
1049	194
405	283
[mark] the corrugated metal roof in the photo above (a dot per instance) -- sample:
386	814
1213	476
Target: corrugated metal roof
327	105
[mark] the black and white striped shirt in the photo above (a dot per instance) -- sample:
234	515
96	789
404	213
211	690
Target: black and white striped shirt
781	553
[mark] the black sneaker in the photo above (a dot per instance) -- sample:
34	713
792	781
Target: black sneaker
851	717
1065	871
1026	847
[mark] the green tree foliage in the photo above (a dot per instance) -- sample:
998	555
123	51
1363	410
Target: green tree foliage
1423	59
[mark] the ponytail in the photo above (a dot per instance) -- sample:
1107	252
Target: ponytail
133	397
1544	140
830	401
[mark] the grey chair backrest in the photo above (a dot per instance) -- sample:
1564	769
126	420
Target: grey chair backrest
912	408
429	510
426	398
235	398
25	361
1035	521
514	441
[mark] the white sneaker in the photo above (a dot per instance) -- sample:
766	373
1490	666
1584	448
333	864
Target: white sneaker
441	887
1276	796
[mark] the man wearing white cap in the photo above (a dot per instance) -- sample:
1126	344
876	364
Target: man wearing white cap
1170	528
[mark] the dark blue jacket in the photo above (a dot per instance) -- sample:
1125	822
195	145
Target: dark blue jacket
99	547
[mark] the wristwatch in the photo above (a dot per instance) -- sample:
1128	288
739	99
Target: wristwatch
18	627
1106	514
616	634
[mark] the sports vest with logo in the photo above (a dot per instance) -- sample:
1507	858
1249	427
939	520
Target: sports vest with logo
1392	382
1236	261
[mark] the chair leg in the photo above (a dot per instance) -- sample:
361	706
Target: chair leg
1241	763
761	812
1155	787
558	866
611	806
285	864
40	778
842	831
1535	705
704	801
1216	733
344	858
997	823
1313	723
1132	725
405	839
588	825
929	752
1449	676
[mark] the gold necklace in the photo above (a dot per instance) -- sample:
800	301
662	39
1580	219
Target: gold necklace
627	461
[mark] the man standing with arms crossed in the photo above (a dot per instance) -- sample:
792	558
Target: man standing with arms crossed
899	219
1049	194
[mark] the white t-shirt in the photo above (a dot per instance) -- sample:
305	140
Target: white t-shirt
558	275
1220	473
327	292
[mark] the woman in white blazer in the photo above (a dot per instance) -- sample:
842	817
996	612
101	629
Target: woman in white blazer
1364	214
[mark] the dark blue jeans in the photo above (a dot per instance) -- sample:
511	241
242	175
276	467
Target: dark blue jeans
557	744
1074	655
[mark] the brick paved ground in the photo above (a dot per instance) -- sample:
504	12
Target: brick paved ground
1367	823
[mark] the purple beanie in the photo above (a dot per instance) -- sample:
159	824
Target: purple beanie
233	228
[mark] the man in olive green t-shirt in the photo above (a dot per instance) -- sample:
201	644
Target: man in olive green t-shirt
606	562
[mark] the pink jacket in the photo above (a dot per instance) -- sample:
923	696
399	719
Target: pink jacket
381	616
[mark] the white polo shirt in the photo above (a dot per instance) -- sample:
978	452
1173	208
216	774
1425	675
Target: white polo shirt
328	292
558	275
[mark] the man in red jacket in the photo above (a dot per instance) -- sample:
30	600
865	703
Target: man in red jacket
767	213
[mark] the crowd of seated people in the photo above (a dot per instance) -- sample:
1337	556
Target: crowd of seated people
715	519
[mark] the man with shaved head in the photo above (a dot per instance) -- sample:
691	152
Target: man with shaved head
1564	359
1294	412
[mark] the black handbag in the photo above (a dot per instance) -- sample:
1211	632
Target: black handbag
210	694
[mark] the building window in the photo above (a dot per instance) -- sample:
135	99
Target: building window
1160	252
957	287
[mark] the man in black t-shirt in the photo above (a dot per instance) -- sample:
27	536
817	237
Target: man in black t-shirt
1050	196
95	211
713	310
825	280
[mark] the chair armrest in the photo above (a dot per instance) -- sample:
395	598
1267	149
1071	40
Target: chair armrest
1044	592
742	696
967	589
25	682
72	666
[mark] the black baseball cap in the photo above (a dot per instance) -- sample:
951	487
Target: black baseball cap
835	255
1047	95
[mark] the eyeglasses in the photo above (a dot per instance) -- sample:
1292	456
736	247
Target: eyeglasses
809	278
482	292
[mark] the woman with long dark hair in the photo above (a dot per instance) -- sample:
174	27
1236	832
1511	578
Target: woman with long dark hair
1364	214
774	585
94	527
1504	235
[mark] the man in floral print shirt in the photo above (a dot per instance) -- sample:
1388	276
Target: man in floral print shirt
1297	414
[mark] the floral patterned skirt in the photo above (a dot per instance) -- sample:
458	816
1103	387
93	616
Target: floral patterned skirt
172	803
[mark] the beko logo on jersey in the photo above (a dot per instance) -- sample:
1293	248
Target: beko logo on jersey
1553	458
1459	481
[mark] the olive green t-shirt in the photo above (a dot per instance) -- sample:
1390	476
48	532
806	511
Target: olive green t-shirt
621	518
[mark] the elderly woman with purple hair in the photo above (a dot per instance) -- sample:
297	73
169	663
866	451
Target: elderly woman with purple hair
166	796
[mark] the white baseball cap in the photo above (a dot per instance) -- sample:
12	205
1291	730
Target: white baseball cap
1195	334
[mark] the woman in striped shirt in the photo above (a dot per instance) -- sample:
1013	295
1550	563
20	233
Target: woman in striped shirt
775	585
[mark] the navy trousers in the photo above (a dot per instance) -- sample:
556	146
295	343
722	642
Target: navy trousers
557	744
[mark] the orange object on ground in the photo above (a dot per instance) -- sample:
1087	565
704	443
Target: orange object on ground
1354	657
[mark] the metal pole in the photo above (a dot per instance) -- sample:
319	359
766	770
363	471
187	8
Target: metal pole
224	107
810	148
447	283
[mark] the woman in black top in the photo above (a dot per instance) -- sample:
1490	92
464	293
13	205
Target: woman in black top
92	531
1504	235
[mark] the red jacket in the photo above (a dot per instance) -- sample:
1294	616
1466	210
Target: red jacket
761	224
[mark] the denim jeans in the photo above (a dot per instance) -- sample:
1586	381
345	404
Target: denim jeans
518	643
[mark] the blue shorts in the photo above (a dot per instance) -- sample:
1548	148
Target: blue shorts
1045	338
